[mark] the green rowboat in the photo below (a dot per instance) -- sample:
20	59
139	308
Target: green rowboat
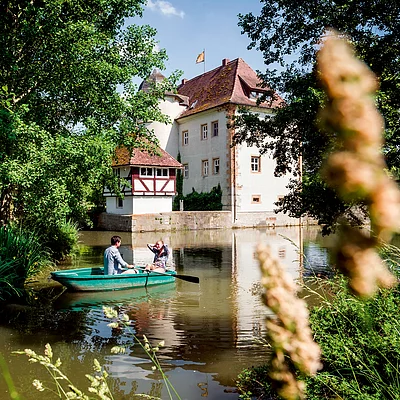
93	279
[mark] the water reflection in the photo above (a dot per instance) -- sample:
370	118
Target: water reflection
212	330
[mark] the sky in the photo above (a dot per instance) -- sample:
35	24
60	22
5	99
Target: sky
187	27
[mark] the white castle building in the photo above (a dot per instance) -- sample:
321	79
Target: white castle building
200	134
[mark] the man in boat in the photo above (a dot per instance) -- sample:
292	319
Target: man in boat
161	253
113	262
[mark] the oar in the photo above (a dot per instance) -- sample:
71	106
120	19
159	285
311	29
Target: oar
193	279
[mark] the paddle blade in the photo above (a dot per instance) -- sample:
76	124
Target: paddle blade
193	279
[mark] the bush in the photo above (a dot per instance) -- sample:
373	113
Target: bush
62	239
22	255
254	382
204	201
360	343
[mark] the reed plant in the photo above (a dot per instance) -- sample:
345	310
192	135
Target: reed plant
360	342
22	255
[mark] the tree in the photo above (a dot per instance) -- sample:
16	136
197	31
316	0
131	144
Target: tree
288	33
67	100
179	188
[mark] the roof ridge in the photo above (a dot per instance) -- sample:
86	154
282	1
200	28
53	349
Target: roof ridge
210	71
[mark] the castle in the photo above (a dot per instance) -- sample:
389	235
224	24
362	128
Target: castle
199	132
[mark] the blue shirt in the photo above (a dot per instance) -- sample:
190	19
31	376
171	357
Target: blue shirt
113	261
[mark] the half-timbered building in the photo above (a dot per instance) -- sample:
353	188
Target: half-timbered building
148	182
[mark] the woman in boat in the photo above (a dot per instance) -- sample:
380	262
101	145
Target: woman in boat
113	262
161	253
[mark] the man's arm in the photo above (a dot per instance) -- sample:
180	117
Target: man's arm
119	259
122	262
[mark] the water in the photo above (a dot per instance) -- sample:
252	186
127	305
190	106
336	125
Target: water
211	331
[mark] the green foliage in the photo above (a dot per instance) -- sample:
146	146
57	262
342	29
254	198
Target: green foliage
179	187
288	33
360	345
359	341
255	383
22	255
179	178
62	113
61	239
205	201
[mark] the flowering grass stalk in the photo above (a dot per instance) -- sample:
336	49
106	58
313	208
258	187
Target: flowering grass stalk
64	387
289	332
124	322
356	170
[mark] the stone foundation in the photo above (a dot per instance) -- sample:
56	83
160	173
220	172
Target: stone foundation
193	220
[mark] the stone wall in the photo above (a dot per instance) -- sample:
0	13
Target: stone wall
192	220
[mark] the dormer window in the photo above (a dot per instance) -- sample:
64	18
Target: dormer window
254	95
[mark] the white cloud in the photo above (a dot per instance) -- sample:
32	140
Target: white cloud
165	8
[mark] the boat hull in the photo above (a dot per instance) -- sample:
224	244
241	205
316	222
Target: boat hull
93	279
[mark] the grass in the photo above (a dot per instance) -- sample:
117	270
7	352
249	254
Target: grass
22	255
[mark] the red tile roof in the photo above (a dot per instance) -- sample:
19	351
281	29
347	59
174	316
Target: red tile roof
144	158
231	83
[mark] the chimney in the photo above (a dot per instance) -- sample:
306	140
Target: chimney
184	80
225	61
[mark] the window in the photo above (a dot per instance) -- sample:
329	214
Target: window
120	203
255	164
254	95
162	172
256	199
214	128
185	138
216	166
186	171
205	167
204	132
146	171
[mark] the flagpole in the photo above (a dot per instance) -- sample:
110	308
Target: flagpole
201	58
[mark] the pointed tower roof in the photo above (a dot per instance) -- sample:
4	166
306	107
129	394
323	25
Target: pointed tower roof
155	77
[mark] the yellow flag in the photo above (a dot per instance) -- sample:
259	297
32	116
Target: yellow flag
200	57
